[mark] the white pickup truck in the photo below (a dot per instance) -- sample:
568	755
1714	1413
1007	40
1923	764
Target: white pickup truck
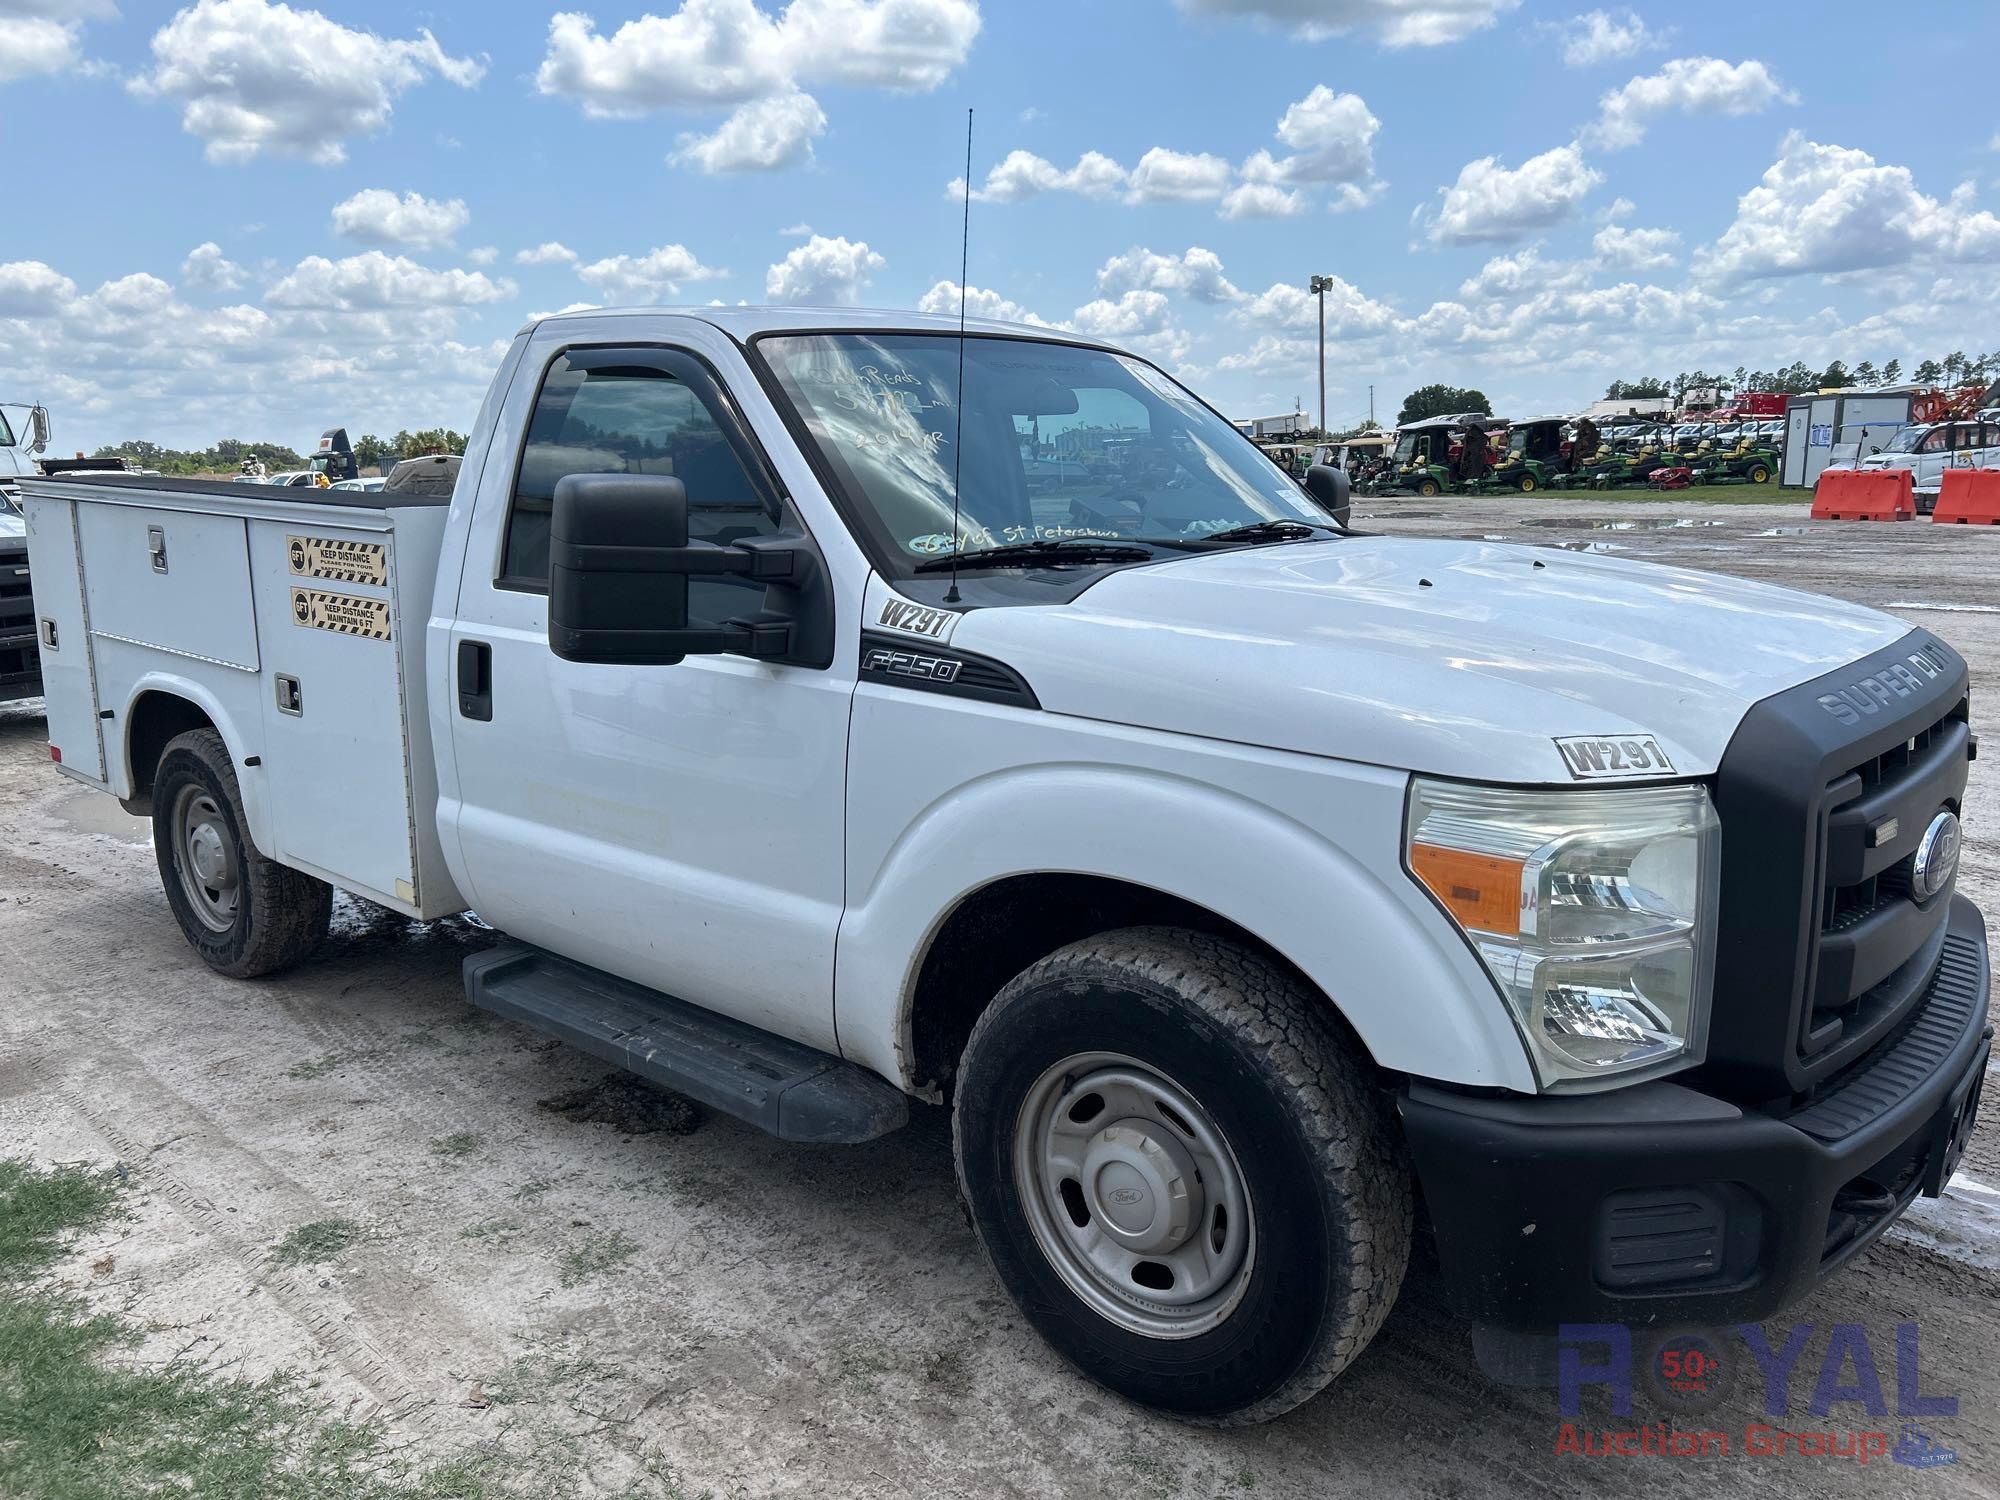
831	710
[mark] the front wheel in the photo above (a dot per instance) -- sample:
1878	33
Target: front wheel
244	914
1182	1173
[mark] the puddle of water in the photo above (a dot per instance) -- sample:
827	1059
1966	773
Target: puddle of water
1606	523
1588	546
98	812
1944	609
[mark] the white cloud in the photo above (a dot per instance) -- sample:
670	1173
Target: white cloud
1491	203
43	36
484	255
206	269
1177	176
376	216
653	277
760	136
711	54
1021	175
1332	138
32	289
251	76
1829	209
824	271
548	253
1525	272
1687	85
980	302
1599	36
1261	200
1394	23
1195	273
1635	249
372	281
796	231
1289	308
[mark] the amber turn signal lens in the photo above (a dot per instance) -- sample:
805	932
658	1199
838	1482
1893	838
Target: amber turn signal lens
1482	891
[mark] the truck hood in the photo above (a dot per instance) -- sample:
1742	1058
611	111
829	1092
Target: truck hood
1454	658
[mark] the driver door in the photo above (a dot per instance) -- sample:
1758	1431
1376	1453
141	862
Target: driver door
680	826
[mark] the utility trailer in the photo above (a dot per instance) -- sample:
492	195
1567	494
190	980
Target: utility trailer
294	619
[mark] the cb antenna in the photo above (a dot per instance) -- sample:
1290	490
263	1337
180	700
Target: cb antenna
958	398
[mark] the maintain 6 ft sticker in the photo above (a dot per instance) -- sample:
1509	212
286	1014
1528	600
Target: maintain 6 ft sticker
343	614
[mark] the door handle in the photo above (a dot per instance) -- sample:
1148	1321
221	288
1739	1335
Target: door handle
475	680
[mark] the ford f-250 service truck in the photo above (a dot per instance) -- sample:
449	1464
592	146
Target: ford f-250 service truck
831	711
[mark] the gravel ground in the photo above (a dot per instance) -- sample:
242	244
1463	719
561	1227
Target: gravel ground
600	1294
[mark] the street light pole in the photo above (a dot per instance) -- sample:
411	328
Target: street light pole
1321	285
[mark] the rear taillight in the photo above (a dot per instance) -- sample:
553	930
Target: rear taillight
55	754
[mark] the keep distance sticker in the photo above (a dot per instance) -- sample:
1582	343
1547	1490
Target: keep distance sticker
343	614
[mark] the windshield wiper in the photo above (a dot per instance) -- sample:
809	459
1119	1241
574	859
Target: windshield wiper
1282	529
1055	549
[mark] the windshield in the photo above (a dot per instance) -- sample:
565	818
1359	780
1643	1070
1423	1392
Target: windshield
1058	441
1906	441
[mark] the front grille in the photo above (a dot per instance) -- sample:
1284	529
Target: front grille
1877	946
1824	794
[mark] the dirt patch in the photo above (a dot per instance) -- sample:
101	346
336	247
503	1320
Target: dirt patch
629	1105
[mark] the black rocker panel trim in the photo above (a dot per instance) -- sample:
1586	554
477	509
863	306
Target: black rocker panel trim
893	662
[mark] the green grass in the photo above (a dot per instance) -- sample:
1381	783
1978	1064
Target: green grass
79	1423
460	1143
597	1254
318	1241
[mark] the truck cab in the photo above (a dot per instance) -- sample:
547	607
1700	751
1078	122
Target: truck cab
843	713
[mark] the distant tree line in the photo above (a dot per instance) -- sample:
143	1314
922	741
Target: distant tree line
1955	369
228	454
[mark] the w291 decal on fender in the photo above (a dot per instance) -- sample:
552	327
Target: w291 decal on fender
906	618
1590	758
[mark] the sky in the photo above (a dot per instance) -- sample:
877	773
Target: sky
239	218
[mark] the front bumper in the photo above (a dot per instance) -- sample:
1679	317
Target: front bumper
1659	1204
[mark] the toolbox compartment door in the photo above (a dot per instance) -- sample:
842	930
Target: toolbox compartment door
69	680
175	580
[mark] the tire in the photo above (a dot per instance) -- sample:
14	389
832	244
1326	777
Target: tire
244	914
1759	474
1528	485
1427	488
1296	1135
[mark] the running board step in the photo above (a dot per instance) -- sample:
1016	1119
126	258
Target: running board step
795	1092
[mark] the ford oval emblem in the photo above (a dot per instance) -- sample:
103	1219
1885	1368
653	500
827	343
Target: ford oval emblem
1936	858
1125	1197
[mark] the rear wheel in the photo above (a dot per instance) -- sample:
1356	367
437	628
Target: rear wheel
1181	1173
1759	474
1528	485
244	914
1427	487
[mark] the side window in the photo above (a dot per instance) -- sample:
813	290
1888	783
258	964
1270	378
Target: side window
594	418
1934	440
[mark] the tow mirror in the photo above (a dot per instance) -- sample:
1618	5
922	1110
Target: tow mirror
619	565
1328	487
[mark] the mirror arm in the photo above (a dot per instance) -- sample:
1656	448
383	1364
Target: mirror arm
695	559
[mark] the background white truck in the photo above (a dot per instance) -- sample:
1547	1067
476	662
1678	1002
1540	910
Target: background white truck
24	432
832	711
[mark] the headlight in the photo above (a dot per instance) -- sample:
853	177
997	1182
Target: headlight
1594	911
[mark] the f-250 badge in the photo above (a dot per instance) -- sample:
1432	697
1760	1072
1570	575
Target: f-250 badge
906	618
1590	758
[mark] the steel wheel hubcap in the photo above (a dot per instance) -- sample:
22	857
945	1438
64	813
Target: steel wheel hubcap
210	876
1134	1196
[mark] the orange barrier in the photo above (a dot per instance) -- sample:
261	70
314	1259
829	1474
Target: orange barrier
1865	495
1969	497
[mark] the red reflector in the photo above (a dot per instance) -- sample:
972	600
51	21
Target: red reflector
55	753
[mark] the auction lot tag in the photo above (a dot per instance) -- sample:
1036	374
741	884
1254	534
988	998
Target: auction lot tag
1589	758
344	614
343	562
